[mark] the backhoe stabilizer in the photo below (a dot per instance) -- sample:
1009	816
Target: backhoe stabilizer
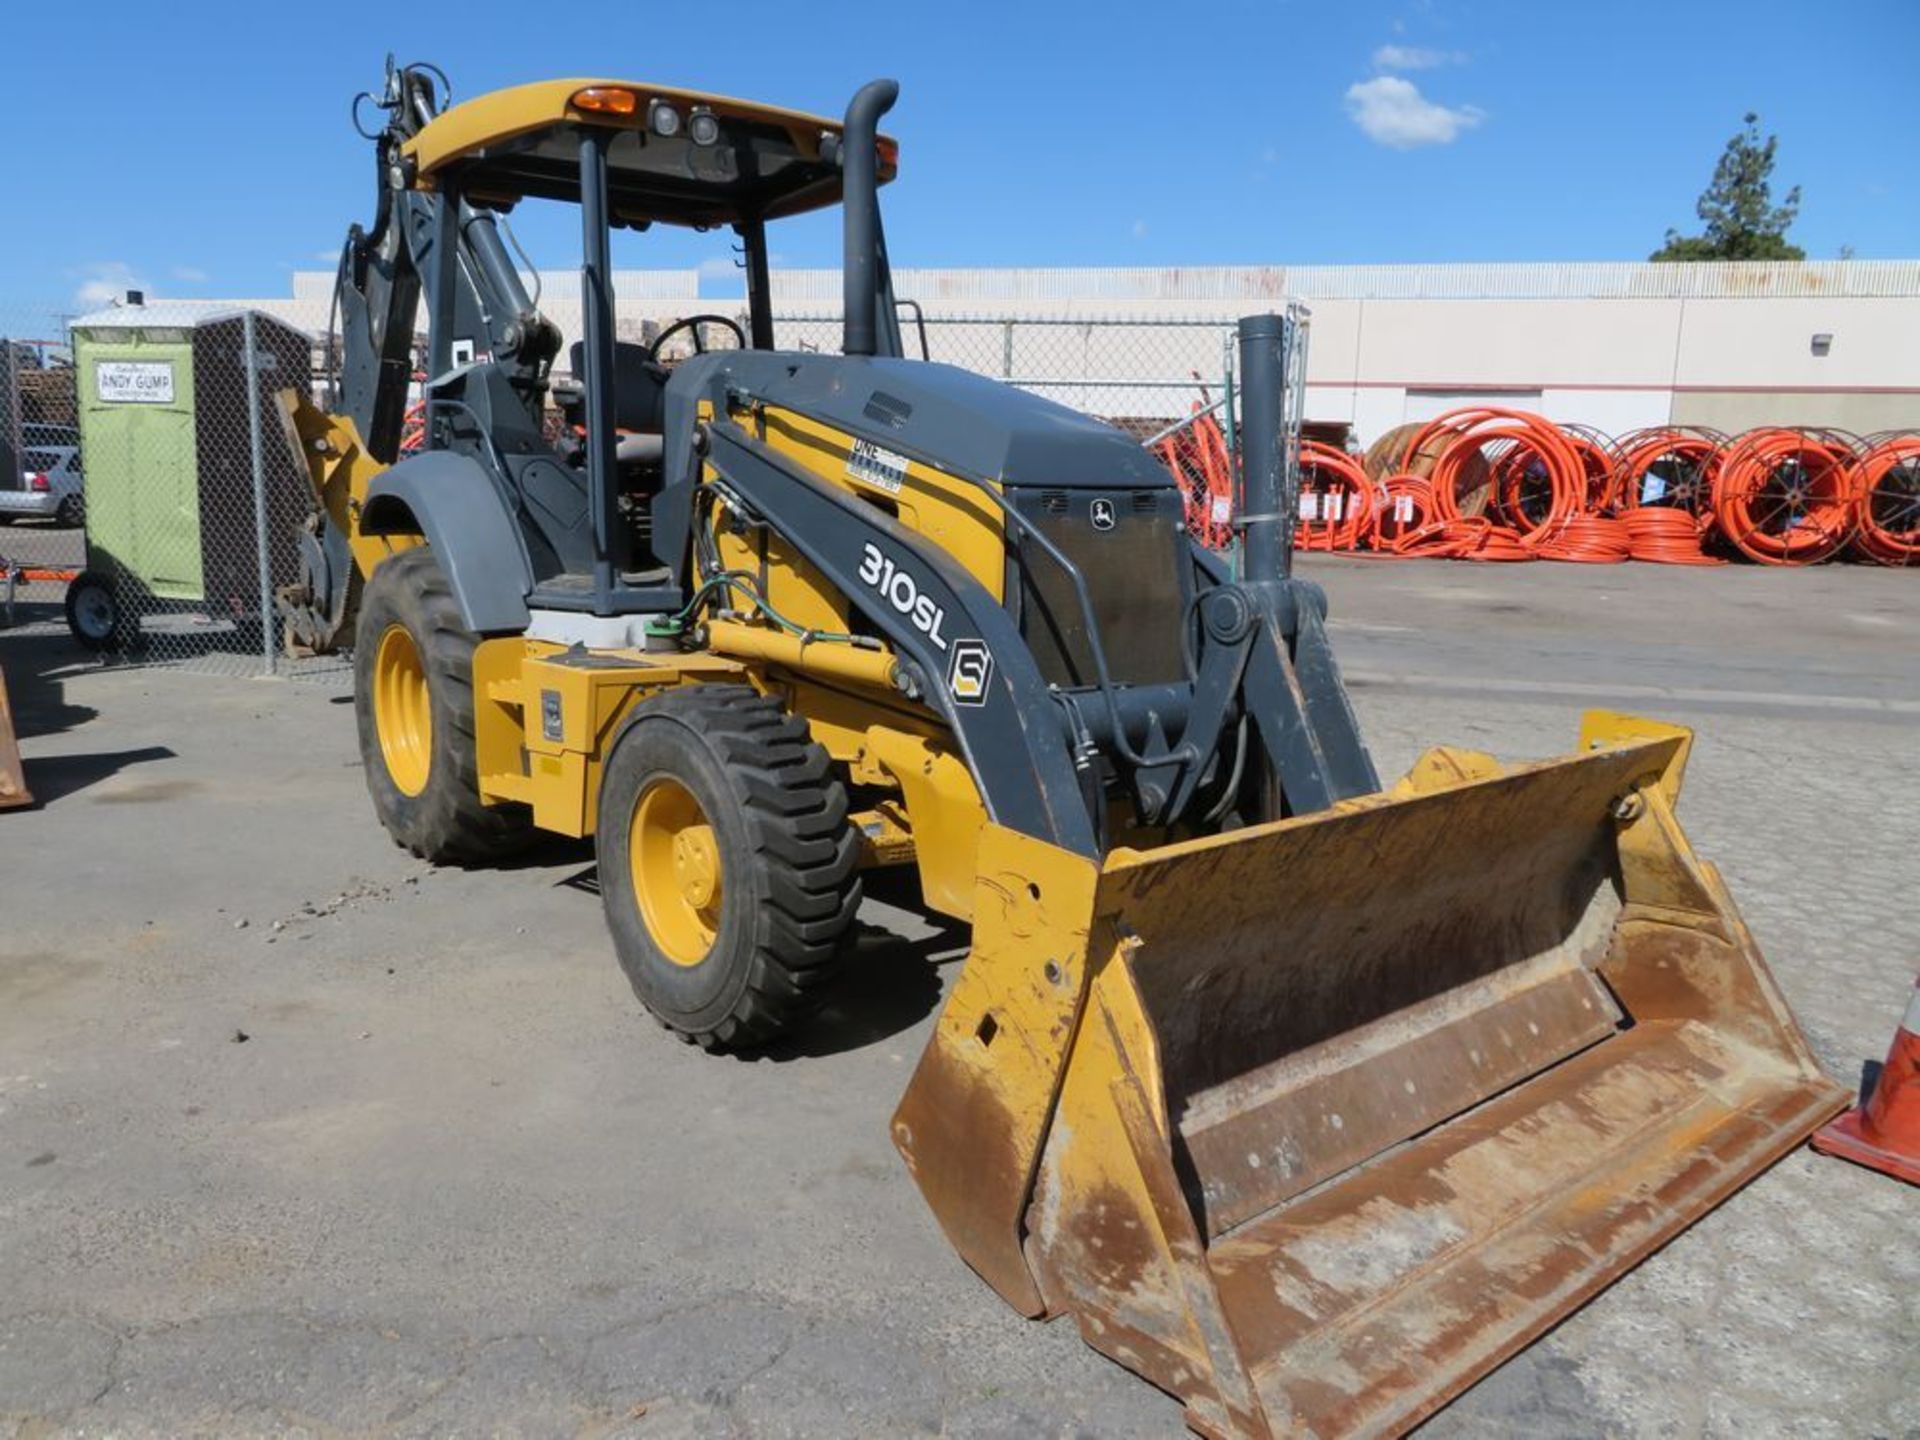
1315	1123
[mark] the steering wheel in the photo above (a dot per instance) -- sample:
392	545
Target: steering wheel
693	325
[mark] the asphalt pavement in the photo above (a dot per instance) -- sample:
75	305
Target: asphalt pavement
301	1135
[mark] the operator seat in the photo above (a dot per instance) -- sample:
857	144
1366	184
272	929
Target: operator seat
639	400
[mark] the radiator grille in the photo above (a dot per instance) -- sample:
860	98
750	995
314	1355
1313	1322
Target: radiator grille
1135	573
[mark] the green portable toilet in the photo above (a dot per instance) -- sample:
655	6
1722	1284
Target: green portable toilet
165	438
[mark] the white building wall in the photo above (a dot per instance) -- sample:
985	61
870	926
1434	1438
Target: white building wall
1616	346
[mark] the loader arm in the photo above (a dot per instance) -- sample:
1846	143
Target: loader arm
1045	756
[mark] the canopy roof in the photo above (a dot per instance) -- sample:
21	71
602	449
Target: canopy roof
506	145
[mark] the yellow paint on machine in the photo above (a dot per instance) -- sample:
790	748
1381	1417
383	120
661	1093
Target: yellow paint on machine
545	718
951	513
339	469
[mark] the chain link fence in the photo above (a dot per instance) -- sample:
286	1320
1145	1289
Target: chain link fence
151	497
150	501
1140	373
1166	380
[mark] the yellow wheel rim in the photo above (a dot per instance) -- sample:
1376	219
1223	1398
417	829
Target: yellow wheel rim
402	710
676	870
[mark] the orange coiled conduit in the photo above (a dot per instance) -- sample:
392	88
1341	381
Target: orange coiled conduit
1600	459
1787	497
1590	540
1506	481
1336	500
1668	467
1402	519
1886	485
1198	458
1666	535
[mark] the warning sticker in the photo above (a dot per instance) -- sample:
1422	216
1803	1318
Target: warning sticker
877	466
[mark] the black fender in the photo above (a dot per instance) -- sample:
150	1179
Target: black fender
450	499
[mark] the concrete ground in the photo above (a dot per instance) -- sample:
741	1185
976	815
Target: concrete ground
299	1134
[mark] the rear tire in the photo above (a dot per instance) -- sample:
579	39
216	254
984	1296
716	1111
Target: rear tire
413	699
727	865
72	513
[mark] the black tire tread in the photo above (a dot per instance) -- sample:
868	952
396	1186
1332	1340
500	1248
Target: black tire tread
807	854
450	824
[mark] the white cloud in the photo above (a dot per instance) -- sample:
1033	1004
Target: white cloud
1392	112
104	281
1413	57
1139	229
190	274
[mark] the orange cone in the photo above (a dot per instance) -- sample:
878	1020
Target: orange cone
13	781
1884	1132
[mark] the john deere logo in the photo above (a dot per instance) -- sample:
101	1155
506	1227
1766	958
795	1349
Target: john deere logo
1103	514
969	672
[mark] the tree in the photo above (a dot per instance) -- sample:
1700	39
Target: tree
1742	221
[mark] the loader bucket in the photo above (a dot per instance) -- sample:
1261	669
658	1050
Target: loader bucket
1315	1123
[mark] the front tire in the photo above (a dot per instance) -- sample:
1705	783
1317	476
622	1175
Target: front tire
727	865
413	699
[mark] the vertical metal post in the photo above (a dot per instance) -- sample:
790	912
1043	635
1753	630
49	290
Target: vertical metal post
1266	522
1229	399
257	460
1006	350
753	239
596	314
443	275
10	443
1295	413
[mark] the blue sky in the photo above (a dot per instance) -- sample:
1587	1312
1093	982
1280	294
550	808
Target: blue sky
205	150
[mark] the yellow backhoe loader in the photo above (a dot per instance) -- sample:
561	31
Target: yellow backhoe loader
1309	1099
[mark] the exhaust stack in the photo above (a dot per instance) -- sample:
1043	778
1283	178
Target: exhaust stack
862	268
